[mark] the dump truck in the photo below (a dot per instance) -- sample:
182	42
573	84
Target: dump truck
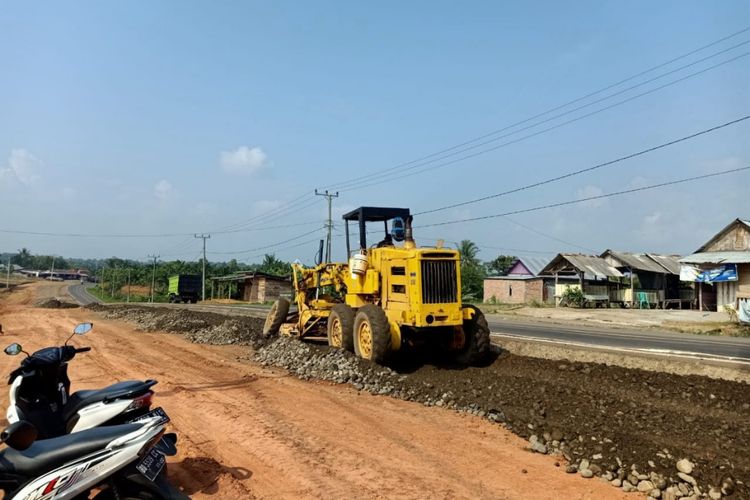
388	296
184	288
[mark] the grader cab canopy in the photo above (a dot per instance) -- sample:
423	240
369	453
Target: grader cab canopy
363	215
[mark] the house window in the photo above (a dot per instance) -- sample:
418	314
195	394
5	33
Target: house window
510	290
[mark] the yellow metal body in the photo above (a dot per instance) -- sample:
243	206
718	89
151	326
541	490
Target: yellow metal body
394	280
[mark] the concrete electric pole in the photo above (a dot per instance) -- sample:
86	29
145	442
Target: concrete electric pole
329	224
203	277
153	275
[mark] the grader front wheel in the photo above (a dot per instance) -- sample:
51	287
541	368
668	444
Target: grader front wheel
276	317
372	334
341	327
476	346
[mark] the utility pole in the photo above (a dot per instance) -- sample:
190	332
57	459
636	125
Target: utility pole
128	285
153	275
7	278
203	276
329	224
52	272
114	274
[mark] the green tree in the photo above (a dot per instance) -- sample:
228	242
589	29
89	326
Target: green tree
272	265
500	265
23	258
472	271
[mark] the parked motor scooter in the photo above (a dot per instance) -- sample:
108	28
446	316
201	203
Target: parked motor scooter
119	461
40	393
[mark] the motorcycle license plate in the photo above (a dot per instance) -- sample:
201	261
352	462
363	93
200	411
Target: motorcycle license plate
156	412
152	464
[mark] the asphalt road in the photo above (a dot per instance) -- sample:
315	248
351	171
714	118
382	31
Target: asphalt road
645	340
79	293
640	340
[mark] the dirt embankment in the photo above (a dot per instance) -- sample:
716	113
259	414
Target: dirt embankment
628	426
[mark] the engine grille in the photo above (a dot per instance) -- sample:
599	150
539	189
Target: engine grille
439	283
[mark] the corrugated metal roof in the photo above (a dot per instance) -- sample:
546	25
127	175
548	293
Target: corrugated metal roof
591	265
727	257
534	264
636	261
514	277
669	262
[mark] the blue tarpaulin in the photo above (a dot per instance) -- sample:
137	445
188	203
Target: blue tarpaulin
724	272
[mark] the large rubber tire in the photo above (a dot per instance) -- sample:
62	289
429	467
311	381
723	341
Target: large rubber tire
276	316
372	334
341	327
477	345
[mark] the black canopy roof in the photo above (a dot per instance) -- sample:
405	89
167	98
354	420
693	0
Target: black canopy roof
374	214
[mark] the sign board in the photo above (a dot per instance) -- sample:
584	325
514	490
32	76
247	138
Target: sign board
724	272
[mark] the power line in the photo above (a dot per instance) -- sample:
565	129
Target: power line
589	169
272	213
548	236
544	113
590	198
401	176
267	246
148	235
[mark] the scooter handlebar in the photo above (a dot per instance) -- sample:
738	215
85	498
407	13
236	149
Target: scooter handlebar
83	349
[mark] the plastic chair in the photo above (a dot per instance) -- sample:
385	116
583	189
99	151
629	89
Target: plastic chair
643	299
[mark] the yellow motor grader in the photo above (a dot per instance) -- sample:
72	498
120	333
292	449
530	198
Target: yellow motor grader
389	295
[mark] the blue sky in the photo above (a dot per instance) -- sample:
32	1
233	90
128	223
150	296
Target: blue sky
183	117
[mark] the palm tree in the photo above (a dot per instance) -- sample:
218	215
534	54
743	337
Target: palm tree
468	250
23	258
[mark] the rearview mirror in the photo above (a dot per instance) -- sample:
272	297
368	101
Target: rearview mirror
13	349
83	328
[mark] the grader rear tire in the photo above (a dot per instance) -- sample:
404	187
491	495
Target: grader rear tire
276	317
477	344
372	334
341	327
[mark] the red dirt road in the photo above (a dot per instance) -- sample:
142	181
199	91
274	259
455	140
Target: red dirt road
247	431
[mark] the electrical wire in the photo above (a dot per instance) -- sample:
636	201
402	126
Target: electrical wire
400	176
267	246
546	112
591	198
589	169
148	235
297	204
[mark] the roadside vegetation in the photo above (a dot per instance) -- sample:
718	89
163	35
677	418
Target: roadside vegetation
114	276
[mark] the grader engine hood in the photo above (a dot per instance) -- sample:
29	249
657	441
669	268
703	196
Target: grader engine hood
437	299
416	287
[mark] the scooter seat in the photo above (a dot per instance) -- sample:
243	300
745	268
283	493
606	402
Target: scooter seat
48	454
120	390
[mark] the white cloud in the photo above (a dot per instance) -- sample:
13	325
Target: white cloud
264	206
163	190
244	160
589	192
21	169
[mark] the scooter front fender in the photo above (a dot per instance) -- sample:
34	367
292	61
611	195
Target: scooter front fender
12	412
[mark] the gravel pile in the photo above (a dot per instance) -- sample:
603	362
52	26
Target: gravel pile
200	328
55	304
